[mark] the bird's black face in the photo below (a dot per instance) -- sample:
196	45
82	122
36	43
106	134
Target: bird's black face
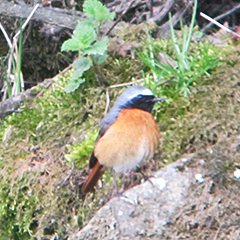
143	102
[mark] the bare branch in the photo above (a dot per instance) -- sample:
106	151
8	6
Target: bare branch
26	22
221	16
218	24
6	36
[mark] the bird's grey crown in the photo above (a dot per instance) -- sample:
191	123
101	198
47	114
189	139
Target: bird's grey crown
131	93
124	100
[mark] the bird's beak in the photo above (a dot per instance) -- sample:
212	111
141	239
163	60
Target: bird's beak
156	99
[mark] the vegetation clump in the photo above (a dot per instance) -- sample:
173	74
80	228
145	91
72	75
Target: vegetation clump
85	40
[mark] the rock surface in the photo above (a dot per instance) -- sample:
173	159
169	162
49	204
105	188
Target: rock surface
142	210
184	200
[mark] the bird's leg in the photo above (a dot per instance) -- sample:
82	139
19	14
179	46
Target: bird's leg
117	192
115	182
145	177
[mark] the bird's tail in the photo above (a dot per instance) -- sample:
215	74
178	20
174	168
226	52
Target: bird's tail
95	173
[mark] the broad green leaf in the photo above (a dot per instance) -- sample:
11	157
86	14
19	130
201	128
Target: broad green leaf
96	10
99	47
104	14
82	63
99	58
78	73
70	45
86	22
73	85
86	35
83	37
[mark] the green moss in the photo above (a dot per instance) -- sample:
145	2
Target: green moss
80	151
46	147
43	187
198	123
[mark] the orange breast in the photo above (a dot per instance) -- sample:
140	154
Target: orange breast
131	139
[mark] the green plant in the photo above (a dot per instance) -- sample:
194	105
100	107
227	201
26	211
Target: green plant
86	40
14	64
25	208
178	62
18	71
80	151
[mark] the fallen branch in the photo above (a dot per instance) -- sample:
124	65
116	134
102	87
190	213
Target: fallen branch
59	17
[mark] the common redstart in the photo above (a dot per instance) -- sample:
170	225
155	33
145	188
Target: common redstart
128	135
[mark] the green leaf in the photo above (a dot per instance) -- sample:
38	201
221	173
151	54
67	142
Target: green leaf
82	63
70	45
85	35
99	58
77	74
99	47
73	85
87	22
96	10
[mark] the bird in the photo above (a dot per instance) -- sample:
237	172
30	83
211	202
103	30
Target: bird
128	135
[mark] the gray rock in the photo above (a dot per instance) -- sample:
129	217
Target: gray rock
142	211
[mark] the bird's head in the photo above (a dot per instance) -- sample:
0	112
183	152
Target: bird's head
136	97
133	97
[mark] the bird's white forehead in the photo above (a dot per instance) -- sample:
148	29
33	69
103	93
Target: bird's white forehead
146	92
131	93
143	91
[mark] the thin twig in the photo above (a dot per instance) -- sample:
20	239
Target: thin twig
119	18
218	24
164	82
221	16
14	52
118	85
107	101
4	90
63	71
163	11
15	38
6	36
126	84
27	20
